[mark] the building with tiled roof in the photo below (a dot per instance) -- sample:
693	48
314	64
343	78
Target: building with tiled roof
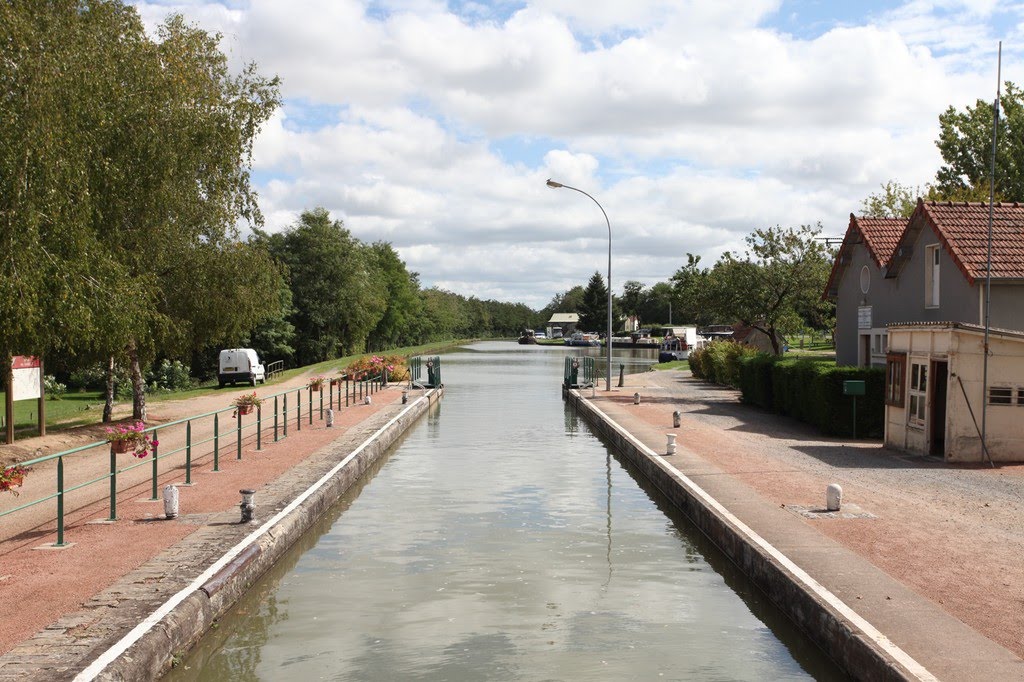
931	267
857	284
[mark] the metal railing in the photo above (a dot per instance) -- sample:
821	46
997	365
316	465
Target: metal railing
572	371
274	368
272	416
433	367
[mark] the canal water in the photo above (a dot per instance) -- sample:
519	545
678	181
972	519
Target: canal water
502	540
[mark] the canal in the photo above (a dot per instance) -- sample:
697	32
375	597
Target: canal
502	540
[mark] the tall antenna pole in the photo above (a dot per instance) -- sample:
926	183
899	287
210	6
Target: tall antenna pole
988	270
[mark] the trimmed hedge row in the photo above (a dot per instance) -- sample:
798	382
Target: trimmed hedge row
808	389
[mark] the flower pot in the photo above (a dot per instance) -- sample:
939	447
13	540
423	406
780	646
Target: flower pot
122	446
314	387
245	409
16	480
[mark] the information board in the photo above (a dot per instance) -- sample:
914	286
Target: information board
27	377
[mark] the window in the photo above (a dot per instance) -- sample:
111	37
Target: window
865	279
917	393
1020	397
931	276
895	371
1000	395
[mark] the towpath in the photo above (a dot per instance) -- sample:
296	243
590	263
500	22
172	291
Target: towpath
947	538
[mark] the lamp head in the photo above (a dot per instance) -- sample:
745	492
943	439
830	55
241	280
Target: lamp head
552	183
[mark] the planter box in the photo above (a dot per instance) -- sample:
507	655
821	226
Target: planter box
122	446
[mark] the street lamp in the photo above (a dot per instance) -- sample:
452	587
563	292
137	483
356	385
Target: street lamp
608	339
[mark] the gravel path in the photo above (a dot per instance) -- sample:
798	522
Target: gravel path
953	533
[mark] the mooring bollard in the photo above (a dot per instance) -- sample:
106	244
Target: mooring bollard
833	497
636	398
171	501
247	506
622	370
330	417
405	396
367	399
676	417
670	446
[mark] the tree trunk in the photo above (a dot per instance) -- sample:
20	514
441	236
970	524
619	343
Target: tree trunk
108	402
138	385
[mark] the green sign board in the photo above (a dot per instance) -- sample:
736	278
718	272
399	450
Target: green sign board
854	387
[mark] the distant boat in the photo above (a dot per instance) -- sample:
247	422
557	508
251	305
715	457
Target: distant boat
673	348
581	339
527	337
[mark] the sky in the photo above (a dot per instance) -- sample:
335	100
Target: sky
434	125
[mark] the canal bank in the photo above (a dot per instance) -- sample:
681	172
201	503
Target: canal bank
139	625
744	484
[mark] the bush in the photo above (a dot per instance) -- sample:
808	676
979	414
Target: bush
94	377
54	389
697	359
719	362
756	379
169	376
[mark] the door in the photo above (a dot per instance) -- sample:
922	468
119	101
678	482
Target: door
937	415
865	350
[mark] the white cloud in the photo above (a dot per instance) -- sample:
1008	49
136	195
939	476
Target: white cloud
693	123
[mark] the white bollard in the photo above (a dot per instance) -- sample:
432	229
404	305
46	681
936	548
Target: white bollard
833	497
171	501
366	399
593	390
670	447
330	417
636	398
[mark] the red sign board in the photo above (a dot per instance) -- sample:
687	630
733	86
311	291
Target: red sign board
24	362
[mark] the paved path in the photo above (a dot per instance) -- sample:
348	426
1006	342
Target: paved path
98	588
922	546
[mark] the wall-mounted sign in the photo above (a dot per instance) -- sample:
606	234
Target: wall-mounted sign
864	317
27	378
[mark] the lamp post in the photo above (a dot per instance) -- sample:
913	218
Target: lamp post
608	339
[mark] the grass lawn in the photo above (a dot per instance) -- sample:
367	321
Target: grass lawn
675	364
80	409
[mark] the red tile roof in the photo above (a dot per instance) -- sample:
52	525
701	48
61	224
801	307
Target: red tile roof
963	229
879	235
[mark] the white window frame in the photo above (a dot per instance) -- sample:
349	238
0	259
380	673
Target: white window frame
917	393
931	275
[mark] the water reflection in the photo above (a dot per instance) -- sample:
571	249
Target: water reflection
493	544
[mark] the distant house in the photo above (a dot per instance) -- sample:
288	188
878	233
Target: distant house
755	338
562	324
930	268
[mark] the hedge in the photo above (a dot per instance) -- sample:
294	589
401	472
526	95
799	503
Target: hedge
808	389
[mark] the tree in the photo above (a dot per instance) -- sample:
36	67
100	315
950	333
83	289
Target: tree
660	306
594	309
965	142
689	284
894	201
632	298
782	273
338	294
402	302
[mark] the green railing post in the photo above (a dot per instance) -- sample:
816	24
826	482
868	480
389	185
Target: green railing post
298	410
238	434
346	390
60	502
330	396
155	470
216	442
321	407
113	485
259	428
311	405
275	418
188	452
284	415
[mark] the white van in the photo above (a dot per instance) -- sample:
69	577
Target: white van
240	364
